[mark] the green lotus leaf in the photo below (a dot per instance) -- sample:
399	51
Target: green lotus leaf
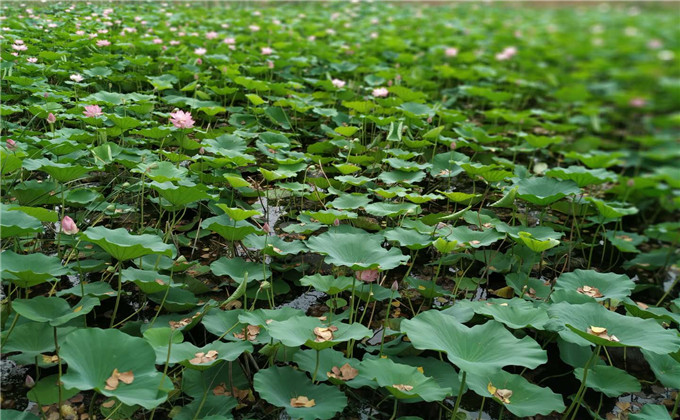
62	172
182	194
98	289
392	209
148	281
350	201
18	223
238	214
328	284
408	238
465	199
238	269
444	374
162	171
263	317
174	299
651	412
225	351
274	245
611	209
572	321
328	359
230	229
666	367
473	238
597	159
609	285
92	354
582	176
33	338
208	407
544	191
299	330
625	241
328	217
18	415
482	348
609	380
279	385
402	381
46	391
641	310
526	400
515	313
226	324
123	246
32	269
446	165
53	310
536	245
356	249
393	177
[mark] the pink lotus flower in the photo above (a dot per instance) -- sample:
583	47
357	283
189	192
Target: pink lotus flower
270	64
199	62
181	119
103	43
200	51
32	60
266	50
157	41
451	52
338	83
174	42
637	102
19	47
11	144
92	111
653	44
229	41
211	35
254	28
506	54
368	276
68	226
76	78
380	92
51	118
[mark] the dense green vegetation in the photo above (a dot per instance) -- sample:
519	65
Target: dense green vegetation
342	210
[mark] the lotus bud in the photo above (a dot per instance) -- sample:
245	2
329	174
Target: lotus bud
630	182
429	120
395	286
267	228
199	62
46	95
68	226
265	285
11	144
453	145
336	222
51	118
201	151
29	381
368	276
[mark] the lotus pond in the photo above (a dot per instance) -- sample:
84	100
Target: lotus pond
339	210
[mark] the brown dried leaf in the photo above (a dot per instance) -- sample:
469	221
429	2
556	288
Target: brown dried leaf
502	394
324	333
602	333
344	373
109	403
402	387
593	292
302	401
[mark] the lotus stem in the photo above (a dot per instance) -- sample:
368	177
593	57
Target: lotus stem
165	368
56	350
581	389
394	410
316	367
675	407
120	287
387	318
456	406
